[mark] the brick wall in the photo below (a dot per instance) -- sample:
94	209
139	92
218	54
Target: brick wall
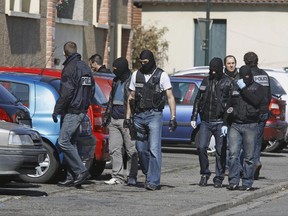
50	30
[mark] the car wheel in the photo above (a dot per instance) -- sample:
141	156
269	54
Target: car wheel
97	168
274	145
47	170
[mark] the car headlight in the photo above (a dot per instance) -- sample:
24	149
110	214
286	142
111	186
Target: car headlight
16	139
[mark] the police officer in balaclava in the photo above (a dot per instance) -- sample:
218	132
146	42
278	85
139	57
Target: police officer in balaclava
216	68
119	138
121	69
148	64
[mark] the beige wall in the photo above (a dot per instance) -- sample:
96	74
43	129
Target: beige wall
259	29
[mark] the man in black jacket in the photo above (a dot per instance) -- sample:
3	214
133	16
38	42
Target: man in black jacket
243	111
261	77
96	64
76	93
210	103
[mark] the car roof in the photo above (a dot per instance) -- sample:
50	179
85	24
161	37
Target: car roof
33	70
28	77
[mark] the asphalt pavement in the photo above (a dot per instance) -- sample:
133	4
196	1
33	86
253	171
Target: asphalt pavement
179	195
273	178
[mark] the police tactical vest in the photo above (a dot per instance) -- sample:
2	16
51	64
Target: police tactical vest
118	98
148	94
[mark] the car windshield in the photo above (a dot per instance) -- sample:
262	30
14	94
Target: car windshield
276	88
6	97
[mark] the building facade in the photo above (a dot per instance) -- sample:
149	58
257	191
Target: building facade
33	32
236	27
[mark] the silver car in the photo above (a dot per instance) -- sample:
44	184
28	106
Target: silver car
20	150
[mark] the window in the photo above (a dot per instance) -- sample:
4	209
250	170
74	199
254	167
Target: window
100	14
276	88
23	8
184	92
217	42
20	91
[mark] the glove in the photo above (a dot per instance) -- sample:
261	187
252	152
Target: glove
224	130
54	117
241	83
172	125
193	124
127	123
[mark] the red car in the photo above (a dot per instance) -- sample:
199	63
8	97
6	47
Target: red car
95	113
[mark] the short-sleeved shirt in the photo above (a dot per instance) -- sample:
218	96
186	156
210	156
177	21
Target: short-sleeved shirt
165	82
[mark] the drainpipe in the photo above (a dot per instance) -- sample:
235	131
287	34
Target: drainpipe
207	32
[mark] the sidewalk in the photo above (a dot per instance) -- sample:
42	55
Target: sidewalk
273	178
235	201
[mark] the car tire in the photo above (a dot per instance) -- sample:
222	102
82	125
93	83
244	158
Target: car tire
47	170
97	168
274	145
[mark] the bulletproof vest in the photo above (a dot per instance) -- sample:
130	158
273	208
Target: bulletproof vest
118	98
148	94
243	111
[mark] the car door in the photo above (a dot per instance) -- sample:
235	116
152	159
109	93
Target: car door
185	91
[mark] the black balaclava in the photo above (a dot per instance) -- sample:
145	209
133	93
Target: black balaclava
149	67
121	69
216	68
245	73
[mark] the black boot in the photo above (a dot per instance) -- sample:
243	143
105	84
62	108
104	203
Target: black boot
66	183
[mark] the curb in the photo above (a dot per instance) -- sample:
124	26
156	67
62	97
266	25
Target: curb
241	199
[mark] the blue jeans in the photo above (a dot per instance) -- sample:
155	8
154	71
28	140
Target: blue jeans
261	126
206	130
67	143
149	149
242	137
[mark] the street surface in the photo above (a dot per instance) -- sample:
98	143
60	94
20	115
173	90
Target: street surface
180	193
272	205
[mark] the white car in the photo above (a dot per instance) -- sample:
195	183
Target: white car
20	150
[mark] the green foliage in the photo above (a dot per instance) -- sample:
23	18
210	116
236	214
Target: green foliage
151	38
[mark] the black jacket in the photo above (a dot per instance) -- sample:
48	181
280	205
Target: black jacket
103	69
244	105
77	87
261	77
211	99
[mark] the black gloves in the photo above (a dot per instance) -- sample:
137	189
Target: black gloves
127	123
54	117
172	125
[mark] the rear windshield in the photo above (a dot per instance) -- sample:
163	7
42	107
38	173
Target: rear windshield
6	97
276	88
99	96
